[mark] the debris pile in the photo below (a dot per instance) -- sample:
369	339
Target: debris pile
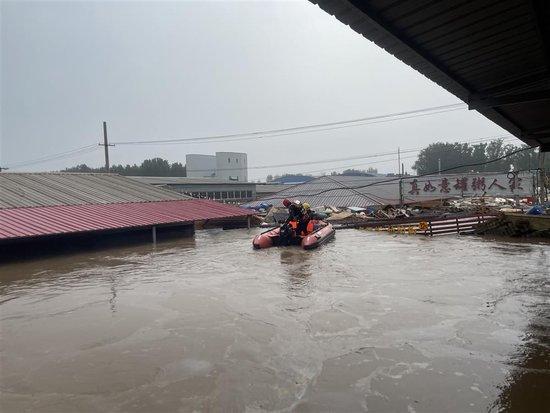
489	204
409	216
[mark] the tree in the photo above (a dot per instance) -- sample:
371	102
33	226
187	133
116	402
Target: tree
149	167
79	168
450	154
462	154
356	172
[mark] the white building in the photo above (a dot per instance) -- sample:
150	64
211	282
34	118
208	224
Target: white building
229	166
200	166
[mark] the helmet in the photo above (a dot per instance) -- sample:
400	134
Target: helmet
297	202
306	205
286	203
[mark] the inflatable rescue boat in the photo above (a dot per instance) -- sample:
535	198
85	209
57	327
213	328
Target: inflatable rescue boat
286	235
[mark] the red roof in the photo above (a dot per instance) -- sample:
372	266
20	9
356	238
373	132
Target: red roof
68	219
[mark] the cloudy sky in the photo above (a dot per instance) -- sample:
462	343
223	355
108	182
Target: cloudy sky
164	70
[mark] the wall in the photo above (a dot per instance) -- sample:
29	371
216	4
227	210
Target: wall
228	193
200	166
231	166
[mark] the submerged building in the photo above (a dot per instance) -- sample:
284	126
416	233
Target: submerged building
56	207
376	191
231	192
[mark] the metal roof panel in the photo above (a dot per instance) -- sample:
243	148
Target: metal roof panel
20	190
17	223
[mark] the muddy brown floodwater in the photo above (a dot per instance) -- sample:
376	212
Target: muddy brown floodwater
369	322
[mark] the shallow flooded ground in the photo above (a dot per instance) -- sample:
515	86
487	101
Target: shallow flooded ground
369	322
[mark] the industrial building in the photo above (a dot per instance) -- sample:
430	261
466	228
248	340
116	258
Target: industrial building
232	192
58	206
227	166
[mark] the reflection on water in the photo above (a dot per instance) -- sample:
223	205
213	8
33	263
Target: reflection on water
296	264
367	322
527	387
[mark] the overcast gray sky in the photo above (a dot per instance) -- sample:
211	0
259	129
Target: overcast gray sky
160	70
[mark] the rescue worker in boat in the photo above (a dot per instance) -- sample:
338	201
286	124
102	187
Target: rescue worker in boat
299	216
295	210
306	224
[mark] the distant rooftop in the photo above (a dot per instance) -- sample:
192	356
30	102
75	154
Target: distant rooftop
264	188
175	180
18	190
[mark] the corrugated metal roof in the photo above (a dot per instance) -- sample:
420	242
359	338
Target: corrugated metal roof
17	223
363	191
494	55
339	191
270	188
47	189
176	180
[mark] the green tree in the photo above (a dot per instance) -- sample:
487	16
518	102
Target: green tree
356	172
177	169
450	154
457	154
149	167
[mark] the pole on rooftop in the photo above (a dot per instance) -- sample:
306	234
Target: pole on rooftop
398	160
542	173
106	146
401	195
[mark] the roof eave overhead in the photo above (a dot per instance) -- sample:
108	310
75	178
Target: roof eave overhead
460	45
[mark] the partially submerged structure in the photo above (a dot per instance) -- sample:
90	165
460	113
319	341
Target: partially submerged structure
233	192
46	206
364	191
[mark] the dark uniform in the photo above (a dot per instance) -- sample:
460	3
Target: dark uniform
295	213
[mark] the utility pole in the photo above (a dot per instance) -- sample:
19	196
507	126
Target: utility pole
401	196
106	145
398	160
542	173
439	166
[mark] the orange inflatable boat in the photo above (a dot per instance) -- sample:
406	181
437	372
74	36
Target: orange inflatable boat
318	233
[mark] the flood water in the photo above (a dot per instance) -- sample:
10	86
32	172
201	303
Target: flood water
369	322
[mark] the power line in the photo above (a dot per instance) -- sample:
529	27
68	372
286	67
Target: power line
420	175
300	129
337	160
194	141
405	157
363	164
61	155
302	163
333	159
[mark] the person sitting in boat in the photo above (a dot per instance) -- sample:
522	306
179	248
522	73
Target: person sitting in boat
295	210
305	226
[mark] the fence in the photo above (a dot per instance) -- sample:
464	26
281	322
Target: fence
429	226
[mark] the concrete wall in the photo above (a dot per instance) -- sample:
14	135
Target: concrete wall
231	166
200	166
